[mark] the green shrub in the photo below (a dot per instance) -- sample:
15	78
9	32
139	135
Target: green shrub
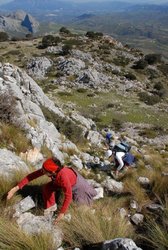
153	58
94	35
104	46
8	108
3	36
116	124
163	68
82	90
130	76
64	93
49	40
72	42
64	126
66	49
148	132
64	30
158	86
141	64
121	61
110	105
149	99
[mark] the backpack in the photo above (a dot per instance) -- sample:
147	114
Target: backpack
122	147
129	159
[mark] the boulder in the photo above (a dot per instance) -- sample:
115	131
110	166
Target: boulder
115	244
23	206
38	66
112	185
35	225
137	218
10	163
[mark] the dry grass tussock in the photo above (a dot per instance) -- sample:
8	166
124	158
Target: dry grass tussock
13	138
157	231
159	185
134	188
6	185
11	237
101	222
155	159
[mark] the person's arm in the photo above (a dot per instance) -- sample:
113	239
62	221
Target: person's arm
67	189
24	181
12	192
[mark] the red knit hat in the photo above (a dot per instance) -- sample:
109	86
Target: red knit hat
50	166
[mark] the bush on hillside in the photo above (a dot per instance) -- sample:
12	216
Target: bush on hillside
130	76
163	68
3	36
116	124
153	58
64	30
121	61
64	126
141	64
72	42
7	108
158	86
149	99
94	35
66	49
49	40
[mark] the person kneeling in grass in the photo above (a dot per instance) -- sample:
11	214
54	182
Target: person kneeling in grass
74	186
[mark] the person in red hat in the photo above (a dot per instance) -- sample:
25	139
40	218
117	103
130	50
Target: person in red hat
74	186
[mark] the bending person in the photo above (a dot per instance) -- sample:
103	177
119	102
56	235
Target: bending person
74	186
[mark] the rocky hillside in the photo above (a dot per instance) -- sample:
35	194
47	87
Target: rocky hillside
59	94
18	23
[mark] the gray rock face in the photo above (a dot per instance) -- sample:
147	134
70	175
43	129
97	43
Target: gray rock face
35	225
137	218
76	162
84	56
10	164
70	66
38	66
30	98
92	77
23	206
16	21
144	181
115	244
54	49
121	244
155	207
112	185
30	23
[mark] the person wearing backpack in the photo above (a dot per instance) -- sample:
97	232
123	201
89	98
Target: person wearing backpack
74	186
121	155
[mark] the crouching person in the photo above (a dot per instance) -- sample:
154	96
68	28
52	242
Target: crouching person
74	186
121	159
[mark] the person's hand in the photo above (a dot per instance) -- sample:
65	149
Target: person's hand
12	192
60	216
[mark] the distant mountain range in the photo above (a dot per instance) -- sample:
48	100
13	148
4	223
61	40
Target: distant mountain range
62	11
144	25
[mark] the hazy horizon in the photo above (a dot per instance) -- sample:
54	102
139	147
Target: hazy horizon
129	1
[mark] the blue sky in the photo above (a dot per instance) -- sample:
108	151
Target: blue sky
132	1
